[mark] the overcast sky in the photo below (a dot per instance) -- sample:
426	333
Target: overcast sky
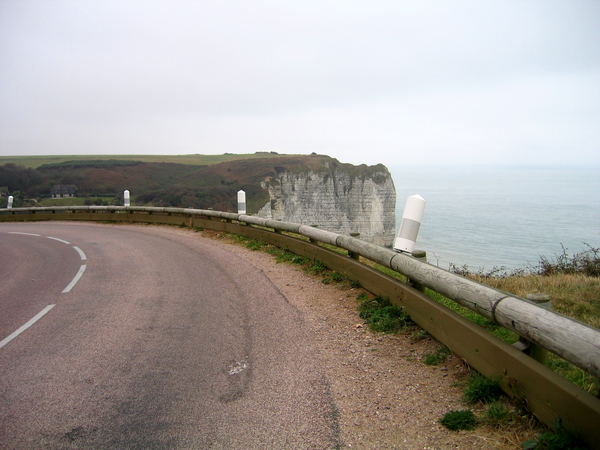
479	82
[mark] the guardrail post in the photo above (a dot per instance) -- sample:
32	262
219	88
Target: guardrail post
533	350
354	255
420	255
314	241
277	230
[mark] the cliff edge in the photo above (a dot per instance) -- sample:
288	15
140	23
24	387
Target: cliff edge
336	197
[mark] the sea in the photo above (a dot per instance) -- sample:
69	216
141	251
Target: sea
508	217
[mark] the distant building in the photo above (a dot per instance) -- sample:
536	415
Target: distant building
3	191
63	190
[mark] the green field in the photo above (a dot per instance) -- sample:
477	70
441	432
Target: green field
200	160
75	201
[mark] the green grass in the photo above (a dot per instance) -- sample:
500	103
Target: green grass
200	160
459	420
481	389
574	374
499	331
419	335
73	201
438	357
496	415
283	255
355	284
337	277
382	316
317	267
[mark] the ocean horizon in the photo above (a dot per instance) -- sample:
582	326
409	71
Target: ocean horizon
489	217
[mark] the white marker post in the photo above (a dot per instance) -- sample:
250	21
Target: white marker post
10	202
126	201
241	197
410	224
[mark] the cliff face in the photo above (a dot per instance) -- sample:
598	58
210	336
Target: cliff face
340	198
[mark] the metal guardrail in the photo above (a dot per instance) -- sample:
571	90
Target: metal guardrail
546	394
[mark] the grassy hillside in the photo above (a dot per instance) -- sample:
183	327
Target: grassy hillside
201	182
196	160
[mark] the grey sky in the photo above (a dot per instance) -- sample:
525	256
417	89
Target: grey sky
505	82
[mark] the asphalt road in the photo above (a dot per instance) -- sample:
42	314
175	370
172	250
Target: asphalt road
163	341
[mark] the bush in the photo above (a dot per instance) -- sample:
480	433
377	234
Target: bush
317	267
355	284
382	316
459	420
586	263
438	357
497	415
362	296
337	277
494	272
482	389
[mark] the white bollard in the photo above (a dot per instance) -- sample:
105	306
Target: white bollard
410	224
10	202
241	197
126	201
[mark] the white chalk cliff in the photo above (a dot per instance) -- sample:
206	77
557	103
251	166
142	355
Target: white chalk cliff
341	198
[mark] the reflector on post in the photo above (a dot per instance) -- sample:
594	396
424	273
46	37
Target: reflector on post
126	201
410	224
9	202
241	202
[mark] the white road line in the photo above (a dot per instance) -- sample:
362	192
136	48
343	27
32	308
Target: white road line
59	240
33	320
76	279
83	257
26	234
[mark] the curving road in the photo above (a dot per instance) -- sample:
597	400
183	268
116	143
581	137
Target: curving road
161	341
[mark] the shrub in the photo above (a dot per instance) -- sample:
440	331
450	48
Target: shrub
382	316
362	296
482	389
355	284
586	262
317	266
337	277
459	420
437	357
497	415
255	245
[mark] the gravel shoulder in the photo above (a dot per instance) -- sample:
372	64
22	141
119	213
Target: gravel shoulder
386	397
